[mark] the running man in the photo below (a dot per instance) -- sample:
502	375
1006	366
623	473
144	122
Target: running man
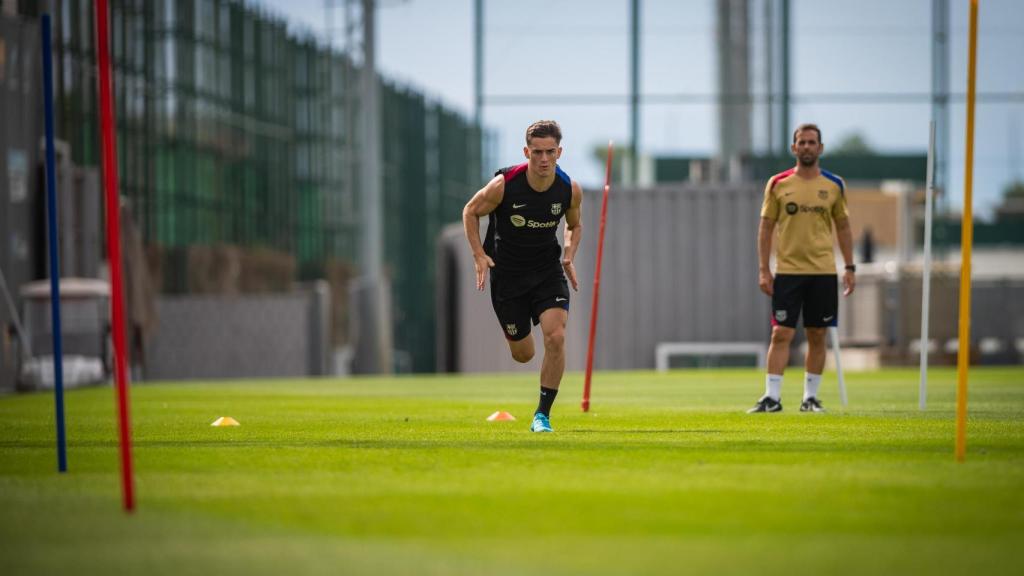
528	268
803	203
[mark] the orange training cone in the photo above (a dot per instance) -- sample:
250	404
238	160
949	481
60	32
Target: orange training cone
500	416
225	421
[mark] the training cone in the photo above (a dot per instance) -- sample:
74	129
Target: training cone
500	416
225	421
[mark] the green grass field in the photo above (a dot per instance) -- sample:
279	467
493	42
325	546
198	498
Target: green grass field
665	475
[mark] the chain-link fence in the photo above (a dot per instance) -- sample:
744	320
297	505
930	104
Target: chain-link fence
232	131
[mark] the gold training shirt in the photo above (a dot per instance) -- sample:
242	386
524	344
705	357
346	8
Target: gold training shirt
803	210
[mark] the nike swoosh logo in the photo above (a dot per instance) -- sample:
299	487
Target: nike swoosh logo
827	318
561	299
518	205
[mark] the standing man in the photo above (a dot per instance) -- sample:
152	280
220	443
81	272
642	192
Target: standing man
803	202
527	266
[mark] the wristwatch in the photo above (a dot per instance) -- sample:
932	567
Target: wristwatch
851	268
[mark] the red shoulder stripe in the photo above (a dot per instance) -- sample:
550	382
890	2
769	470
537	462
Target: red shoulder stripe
781	176
514	171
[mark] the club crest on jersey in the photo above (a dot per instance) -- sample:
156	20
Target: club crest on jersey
518	221
823	194
556	208
511	329
780	315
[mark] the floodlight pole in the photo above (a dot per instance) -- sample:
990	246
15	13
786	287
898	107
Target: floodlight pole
634	92
478	64
374	324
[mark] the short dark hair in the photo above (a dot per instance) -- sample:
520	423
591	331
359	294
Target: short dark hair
544	129
803	127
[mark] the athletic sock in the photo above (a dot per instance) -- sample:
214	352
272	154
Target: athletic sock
811	384
773	386
547	398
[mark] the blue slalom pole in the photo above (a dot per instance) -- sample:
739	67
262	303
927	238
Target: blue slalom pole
51	219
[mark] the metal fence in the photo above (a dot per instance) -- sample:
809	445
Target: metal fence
233	131
241	336
21	225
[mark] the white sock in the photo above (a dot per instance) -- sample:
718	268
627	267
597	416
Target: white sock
811	384
773	386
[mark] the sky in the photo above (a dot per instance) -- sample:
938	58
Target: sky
562	47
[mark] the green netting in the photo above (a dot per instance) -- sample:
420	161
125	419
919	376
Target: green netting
230	131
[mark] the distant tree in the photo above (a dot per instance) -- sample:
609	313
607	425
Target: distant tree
620	155
1014	189
854	144
1012	207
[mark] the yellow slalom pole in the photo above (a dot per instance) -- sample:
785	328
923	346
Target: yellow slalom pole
963	355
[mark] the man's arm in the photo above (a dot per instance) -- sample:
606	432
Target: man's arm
481	204
845	237
573	233
764	253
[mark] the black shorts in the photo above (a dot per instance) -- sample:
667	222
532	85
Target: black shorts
816	294
519	299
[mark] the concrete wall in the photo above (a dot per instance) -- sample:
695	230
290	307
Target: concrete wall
680	264
242	336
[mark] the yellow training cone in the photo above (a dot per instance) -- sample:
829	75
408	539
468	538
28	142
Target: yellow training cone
225	421
500	416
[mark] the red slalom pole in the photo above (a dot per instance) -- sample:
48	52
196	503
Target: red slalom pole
597	280
113	212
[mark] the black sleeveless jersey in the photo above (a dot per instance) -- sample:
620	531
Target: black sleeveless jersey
521	232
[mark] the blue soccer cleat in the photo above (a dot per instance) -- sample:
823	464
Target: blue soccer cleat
540	423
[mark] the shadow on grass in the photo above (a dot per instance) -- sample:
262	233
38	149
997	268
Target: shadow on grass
625	431
546	443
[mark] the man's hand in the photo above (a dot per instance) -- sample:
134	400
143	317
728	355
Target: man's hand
482	262
849	282
570	273
765	281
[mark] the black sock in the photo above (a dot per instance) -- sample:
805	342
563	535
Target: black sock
547	398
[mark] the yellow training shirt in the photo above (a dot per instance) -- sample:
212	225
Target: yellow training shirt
803	210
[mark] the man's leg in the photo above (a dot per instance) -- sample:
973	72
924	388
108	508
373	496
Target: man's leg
814	365
522	350
778	350
816	349
552	324
821	306
787	294
778	357
514	317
